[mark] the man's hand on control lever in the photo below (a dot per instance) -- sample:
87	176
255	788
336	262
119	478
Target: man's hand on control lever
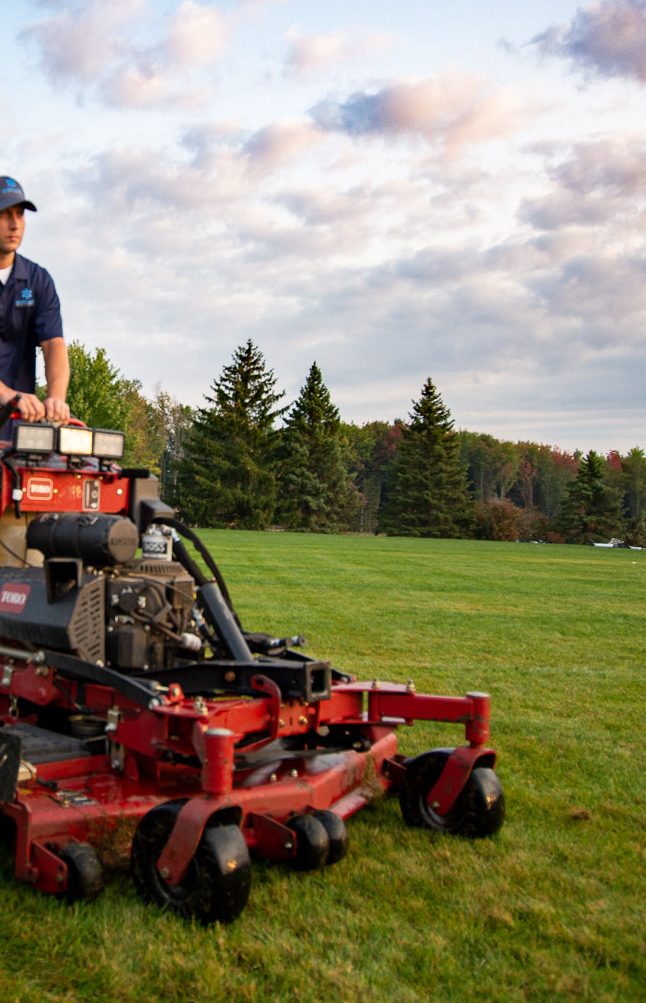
31	409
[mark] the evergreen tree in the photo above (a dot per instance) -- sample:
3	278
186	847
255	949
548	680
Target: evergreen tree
226	477
427	491
315	489
591	510
633	469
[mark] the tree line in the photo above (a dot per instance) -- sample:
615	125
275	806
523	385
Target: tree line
247	459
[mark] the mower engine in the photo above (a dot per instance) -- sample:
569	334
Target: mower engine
138	716
135	616
150	616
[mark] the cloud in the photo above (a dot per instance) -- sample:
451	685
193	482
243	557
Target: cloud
599	183
606	38
315	53
80	41
277	144
96	47
222	149
597	289
140	86
449	110
613	166
196	34
560	209
131	181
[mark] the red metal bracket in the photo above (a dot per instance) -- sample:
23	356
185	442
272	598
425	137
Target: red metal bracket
271	839
454	776
267	686
46	870
185	838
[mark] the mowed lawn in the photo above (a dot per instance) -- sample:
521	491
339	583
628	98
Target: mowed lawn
553	908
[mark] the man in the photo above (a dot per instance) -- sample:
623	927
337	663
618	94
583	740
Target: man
29	316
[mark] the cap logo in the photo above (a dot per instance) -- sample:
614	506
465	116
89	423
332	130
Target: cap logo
11	193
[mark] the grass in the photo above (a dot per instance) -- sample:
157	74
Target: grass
550	909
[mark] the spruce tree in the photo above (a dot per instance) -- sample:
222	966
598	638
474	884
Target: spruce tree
315	489
426	491
591	511
227	474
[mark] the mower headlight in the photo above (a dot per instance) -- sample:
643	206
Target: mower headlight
30	438
74	441
108	445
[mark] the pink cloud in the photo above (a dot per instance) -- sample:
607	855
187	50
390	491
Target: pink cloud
197	33
94	44
311	54
78	43
450	110
135	86
607	38
278	143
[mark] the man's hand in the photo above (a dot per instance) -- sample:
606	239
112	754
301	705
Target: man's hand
56	409
31	409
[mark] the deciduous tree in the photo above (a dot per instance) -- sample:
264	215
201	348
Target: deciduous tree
102	397
372	448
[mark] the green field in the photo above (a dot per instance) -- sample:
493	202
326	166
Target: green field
550	909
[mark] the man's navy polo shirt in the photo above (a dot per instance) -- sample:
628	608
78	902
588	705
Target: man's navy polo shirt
30	313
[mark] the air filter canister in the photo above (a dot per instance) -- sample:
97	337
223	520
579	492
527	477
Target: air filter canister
99	540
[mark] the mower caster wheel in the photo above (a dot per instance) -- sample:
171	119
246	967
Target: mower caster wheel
84	872
216	885
336	832
312	842
479	810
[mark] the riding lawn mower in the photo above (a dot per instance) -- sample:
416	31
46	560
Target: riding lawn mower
138	717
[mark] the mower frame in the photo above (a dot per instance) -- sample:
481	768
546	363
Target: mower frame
190	768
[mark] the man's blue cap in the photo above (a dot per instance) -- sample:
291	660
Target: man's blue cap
11	193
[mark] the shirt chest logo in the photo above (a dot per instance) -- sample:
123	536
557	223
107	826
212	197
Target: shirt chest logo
26	298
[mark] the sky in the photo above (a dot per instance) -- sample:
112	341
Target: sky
393	189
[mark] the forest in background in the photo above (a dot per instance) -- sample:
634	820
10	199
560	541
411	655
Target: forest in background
248	459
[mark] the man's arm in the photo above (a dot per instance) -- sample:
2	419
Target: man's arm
57	374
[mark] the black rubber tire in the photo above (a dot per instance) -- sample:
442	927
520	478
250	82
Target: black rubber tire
312	843
336	833
478	812
216	885
84	872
